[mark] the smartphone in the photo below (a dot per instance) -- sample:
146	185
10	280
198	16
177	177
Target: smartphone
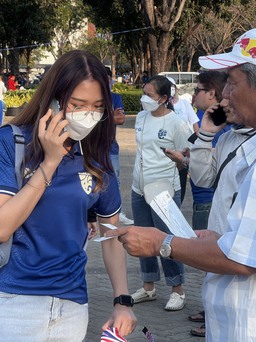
218	116
55	106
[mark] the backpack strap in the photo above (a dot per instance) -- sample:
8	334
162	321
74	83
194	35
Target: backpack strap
5	247
19	152
230	156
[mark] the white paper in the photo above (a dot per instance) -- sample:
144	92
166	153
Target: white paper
168	211
103	238
109	225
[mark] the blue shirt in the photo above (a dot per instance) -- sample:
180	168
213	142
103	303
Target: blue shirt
116	103
47	254
1	112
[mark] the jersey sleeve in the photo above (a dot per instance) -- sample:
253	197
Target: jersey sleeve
109	201
117	101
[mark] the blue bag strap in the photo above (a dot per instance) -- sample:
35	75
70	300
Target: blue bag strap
19	140
19	151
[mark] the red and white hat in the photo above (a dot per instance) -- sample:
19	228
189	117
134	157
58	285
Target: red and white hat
244	51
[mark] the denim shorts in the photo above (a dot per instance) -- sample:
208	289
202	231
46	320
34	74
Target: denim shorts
41	319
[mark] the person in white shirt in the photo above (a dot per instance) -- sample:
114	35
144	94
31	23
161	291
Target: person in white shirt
183	108
157	127
2	88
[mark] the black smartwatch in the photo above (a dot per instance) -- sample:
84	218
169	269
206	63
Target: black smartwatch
124	300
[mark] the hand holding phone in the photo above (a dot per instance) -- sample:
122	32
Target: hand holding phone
55	106
218	116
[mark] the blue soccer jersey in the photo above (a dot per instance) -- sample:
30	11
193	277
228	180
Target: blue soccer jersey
47	255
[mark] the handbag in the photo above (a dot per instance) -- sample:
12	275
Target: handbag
151	190
5	247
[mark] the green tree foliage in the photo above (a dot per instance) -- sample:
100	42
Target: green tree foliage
70	19
169	27
125	18
25	23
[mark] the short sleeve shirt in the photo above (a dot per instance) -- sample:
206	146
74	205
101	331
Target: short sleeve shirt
47	254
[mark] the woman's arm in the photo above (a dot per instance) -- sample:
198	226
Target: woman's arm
15	210
114	257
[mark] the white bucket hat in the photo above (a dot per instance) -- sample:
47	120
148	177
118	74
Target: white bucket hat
244	51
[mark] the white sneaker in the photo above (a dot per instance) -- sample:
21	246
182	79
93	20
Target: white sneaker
176	302
141	295
125	220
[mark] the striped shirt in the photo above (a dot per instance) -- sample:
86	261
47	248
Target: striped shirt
230	300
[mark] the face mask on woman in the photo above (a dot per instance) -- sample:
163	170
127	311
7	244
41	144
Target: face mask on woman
82	123
149	104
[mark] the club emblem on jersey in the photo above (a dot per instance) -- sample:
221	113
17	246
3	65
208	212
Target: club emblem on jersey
162	133
86	182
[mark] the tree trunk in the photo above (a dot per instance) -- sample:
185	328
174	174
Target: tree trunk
113	65
13	59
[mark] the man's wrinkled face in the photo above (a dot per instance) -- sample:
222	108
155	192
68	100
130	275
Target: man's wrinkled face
241	96
231	117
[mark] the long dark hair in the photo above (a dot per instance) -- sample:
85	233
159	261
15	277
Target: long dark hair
59	82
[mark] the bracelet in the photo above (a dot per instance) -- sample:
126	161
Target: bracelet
47	182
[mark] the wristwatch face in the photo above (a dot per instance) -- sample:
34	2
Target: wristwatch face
165	250
124	300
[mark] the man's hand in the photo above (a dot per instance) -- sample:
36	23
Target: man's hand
178	156
139	241
207	123
207	233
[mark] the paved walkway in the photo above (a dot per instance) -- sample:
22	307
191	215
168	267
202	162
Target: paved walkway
165	326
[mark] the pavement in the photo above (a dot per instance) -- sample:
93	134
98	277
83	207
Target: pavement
165	326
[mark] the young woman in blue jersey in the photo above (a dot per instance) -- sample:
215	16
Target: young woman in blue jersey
43	293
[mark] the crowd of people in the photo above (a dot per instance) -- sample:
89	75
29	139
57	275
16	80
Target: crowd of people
72	159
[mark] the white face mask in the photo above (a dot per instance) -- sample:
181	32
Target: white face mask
149	104
173	91
83	123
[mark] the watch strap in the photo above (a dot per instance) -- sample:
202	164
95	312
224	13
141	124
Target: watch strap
168	239
126	300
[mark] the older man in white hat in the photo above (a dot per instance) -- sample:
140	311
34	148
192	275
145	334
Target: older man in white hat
229	290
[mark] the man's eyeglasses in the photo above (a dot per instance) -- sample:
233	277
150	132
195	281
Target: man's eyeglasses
197	90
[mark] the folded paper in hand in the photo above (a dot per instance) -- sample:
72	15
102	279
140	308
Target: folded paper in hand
168	211
103	238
